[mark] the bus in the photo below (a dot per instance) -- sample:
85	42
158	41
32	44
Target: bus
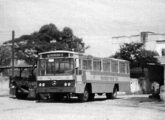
65	73
23	84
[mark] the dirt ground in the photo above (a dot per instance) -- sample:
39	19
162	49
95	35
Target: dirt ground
126	107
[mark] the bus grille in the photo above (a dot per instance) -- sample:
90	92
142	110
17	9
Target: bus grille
56	83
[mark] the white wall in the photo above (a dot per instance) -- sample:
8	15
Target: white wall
135	86
118	41
150	45
159	47
4	86
151	42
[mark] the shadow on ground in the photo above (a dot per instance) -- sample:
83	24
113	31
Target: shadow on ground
142	101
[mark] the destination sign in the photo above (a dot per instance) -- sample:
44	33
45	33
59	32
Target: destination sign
54	55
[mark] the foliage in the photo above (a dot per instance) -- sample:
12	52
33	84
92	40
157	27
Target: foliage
5	55
47	38
136	54
147	57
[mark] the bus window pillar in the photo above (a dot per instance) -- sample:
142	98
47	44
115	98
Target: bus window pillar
118	67
110	66
101	65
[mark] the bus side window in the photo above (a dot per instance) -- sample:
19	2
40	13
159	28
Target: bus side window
78	72
122	66
106	65
80	63
114	66
97	65
43	67
87	64
128	68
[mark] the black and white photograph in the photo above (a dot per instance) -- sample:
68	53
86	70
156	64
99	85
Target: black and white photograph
82	60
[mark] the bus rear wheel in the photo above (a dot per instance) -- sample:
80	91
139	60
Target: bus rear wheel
91	96
112	95
85	96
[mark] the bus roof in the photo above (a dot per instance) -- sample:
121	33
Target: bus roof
119	59
60	51
77	53
110	58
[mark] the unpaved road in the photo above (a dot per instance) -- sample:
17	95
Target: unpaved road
126	107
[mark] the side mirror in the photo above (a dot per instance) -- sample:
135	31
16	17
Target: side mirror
77	63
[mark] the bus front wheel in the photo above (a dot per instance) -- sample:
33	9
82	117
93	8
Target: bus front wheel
84	97
38	97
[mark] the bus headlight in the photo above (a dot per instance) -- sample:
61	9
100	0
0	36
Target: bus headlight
43	84
69	84
65	84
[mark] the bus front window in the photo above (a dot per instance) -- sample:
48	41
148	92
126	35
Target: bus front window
42	67
57	66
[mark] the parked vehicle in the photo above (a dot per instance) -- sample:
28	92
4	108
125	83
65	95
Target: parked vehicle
23	83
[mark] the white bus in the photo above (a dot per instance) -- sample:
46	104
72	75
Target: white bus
62	73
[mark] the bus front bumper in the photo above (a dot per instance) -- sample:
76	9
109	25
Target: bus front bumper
55	90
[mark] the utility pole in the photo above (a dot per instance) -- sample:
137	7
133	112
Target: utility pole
13	35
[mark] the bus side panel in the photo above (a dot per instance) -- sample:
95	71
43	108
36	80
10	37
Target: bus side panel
80	84
100	83
80	87
102	87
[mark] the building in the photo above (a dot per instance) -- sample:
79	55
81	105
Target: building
151	41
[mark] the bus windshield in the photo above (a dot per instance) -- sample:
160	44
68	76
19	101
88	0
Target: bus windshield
56	66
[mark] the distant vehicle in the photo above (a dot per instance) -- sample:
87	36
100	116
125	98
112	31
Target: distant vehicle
66	73
23	83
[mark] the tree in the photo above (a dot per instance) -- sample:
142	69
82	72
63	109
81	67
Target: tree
129	51
47	38
137	55
5	55
146	57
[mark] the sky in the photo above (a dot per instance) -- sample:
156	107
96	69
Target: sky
95	21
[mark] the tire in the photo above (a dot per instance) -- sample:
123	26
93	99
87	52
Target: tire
112	95
38	97
58	97
91	96
20	95
85	96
